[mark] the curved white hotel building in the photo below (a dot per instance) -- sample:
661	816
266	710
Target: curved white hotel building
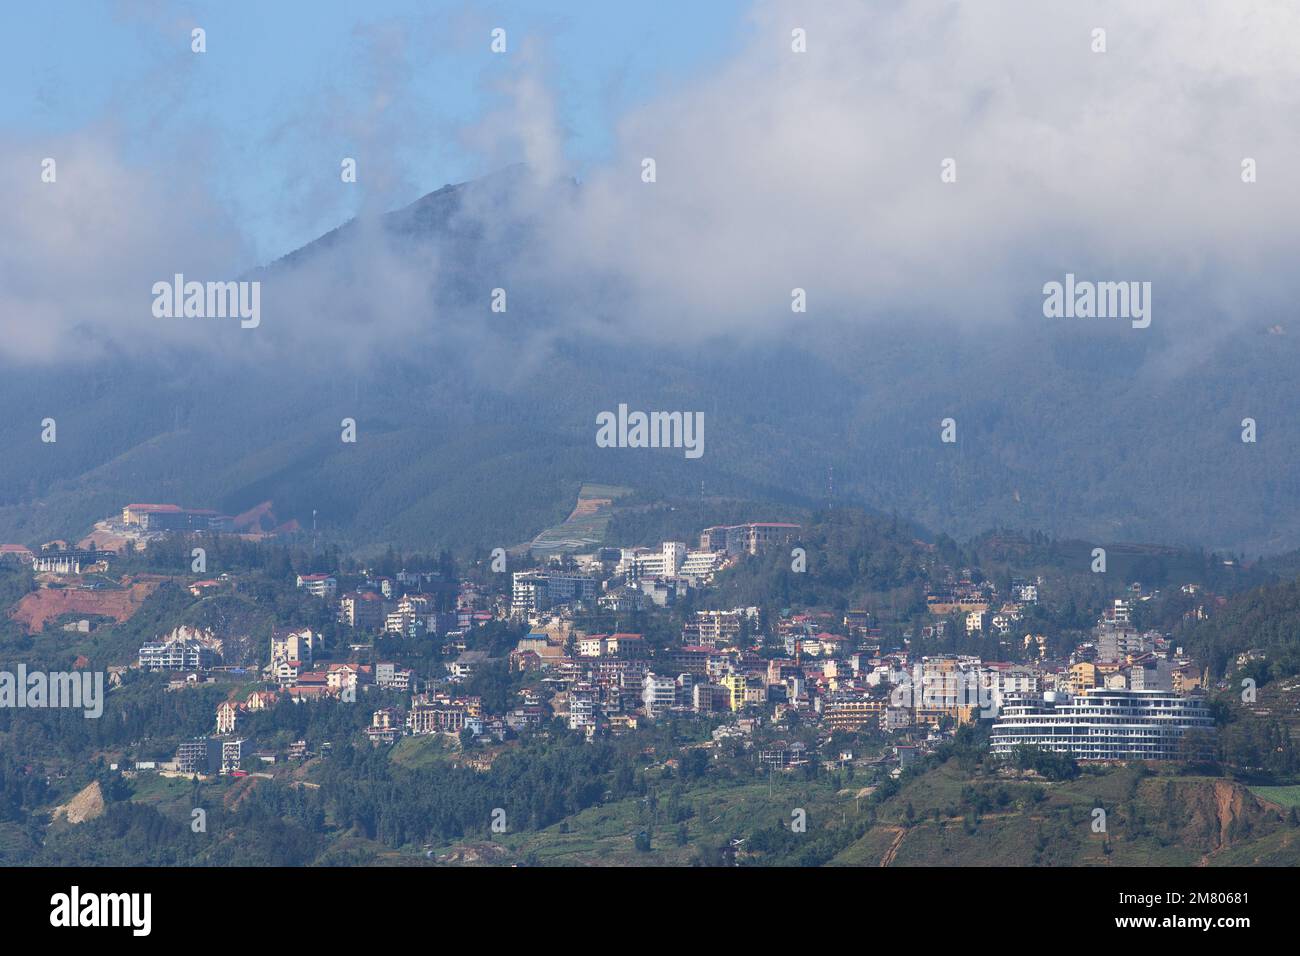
1101	724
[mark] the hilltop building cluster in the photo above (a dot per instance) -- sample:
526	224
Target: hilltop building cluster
1124	693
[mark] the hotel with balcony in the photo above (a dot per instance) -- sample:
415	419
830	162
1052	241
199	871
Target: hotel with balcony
1102	724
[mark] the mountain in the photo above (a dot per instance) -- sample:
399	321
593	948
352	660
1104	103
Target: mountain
477	429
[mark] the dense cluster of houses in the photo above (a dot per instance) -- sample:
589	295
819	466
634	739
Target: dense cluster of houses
734	666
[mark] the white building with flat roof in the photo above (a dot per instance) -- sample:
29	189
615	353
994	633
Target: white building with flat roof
658	694
1101	724
534	591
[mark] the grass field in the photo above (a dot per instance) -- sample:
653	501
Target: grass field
1283	796
416	753
714	814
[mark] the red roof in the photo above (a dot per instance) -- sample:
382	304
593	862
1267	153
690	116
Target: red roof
146	507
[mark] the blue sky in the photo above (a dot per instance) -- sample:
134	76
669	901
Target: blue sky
815	166
275	101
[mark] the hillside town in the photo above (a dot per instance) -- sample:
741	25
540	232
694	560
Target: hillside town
760	680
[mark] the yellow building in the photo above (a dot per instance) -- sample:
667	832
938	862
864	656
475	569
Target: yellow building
934	716
853	715
736	685
1083	676
1186	679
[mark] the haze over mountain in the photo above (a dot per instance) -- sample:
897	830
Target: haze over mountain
476	428
775	171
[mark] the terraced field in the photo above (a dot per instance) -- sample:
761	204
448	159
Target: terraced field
585	527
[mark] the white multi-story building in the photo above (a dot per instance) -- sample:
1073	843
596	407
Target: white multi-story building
389	676
658	694
318	585
710	628
637	563
1026	593
1005	681
185	648
562	587
534	591
584	707
1101	724
528	593
414	617
674	554
1120	613
298	645
702	565
233	753
751	538
227	716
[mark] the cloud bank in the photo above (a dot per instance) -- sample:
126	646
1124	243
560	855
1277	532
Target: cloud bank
776	170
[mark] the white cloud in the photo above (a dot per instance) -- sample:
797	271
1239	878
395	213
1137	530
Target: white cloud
78	256
775	170
821	170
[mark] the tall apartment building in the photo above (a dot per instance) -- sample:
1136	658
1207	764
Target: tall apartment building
1119	614
363	610
389	676
736	686
1151	675
184	649
710	628
1102	724
584	707
684	660
562	587
1006	681
658	694
528	592
1118	642
288	644
537	590
414	617
700	566
200	755
709	698
233	753
637	563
